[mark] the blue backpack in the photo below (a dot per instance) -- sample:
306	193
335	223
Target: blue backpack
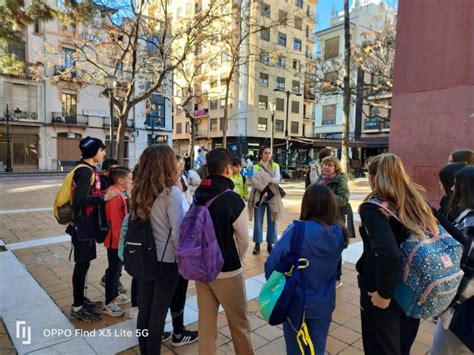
283	295
431	271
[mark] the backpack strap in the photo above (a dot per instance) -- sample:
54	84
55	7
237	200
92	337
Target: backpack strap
208	203
385	206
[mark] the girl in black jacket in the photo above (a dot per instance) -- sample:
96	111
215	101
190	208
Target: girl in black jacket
385	327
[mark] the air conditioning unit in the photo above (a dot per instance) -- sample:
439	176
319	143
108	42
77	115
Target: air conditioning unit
59	119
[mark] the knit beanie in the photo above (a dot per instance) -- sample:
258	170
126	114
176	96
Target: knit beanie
90	146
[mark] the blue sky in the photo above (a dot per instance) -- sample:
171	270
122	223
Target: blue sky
324	7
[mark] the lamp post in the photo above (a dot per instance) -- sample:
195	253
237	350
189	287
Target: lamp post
287	137
9	168
110	81
272	132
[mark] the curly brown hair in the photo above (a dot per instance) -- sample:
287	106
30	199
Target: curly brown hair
155	172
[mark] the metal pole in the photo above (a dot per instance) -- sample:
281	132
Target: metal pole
111	124
273	131
286	129
9	153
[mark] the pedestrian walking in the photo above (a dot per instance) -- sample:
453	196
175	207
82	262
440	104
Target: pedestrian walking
230	220
385	327
462	156
265	197
324	239
155	196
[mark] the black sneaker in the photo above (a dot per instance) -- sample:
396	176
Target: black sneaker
166	336
84	314
92	304
188	337
269	248
102	281
256	249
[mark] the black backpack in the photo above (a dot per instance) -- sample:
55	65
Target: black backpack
139	254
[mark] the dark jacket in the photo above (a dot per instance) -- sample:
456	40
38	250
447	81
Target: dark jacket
88	199
229	217
380	264
322	247
340	188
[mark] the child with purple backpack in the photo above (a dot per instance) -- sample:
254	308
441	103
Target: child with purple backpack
230	221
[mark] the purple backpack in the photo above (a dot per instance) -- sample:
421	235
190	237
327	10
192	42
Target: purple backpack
198	253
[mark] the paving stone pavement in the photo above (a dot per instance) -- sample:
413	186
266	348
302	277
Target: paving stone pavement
48	264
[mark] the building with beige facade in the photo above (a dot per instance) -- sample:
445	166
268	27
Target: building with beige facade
277	61
48	117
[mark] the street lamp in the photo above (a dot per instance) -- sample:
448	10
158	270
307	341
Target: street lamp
287	137
9	168
110	81
272	132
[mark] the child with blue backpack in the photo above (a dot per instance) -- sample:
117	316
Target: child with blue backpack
322	246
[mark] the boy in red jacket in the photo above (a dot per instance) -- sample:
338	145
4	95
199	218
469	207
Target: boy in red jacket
115	210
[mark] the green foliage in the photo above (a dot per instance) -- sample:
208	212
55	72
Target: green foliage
10	65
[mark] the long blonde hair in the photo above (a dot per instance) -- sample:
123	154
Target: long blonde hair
156	171
392	184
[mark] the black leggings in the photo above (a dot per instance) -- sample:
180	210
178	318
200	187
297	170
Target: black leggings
154	299
79	282
112	275
134	292
177	305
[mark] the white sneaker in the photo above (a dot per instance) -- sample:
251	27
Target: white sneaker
112	310
133	313
122	299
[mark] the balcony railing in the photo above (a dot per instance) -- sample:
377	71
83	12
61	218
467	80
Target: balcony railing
154	121
65	71
26	116
73	119
328	122
130	123
376	124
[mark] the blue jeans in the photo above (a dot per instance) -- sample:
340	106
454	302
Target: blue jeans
318	331
259	213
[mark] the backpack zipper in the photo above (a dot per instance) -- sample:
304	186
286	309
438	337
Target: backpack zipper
428	290
415	249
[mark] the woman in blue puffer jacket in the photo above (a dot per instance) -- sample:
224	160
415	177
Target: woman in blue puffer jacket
324	241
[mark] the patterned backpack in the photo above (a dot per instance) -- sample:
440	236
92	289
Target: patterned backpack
198	253
431	271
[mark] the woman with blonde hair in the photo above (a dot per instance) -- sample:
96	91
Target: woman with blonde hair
385	327
155	196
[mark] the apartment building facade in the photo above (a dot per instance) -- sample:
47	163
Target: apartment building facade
369	124
278	63
49	116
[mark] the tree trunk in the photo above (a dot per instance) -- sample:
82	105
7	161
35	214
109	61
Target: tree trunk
192	121
226	105
347	92
120	140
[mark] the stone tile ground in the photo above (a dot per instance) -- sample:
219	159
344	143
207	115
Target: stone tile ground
50	267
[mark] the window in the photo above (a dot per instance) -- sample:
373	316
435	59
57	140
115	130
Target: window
296	86
282	17
308	32
213	124
282	39
179	128
331	48
295	106
280	104
263	102
299	3
214	104
281	63
296	64
221	123
329	115
265	10
280	83
262	124
18	48
330	81
222	101
297	44
188	127
69	105
265	34
37	27
264	58
295	127
264	79
298	23
279	125
68	61
374	112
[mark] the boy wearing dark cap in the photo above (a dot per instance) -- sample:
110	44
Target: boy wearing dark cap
87	198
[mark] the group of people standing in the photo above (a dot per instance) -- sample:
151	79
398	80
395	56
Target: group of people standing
162	191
